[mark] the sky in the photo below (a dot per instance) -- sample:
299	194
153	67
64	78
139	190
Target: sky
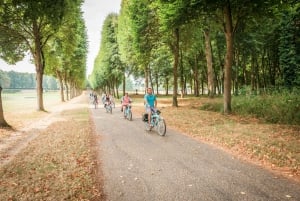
94	13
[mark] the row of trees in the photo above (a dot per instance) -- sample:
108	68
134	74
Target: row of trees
53	32
17	80
214	46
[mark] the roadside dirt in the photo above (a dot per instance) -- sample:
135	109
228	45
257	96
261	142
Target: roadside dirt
13	140
52	158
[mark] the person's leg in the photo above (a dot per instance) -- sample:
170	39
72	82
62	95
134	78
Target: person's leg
124	108
149	114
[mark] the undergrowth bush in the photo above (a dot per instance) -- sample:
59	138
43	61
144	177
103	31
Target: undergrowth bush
277	107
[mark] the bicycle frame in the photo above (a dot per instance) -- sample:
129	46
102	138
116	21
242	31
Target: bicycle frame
127	112
157	122
108	107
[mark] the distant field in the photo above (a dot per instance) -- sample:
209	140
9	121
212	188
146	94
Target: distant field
21	107
27	100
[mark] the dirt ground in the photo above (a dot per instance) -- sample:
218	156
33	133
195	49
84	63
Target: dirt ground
53	157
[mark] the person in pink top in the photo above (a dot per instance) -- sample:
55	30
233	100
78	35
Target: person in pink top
126	100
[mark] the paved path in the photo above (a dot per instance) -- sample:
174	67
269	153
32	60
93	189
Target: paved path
139	166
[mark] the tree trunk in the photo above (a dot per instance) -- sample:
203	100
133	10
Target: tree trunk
236	73
156	82
210	70
175	66
66	85
67	91
167	86
181	75
146	78
228	58
37	55
61	85
196	77
253	85
3	123
124	84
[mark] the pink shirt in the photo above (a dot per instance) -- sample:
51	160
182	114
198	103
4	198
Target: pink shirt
126	100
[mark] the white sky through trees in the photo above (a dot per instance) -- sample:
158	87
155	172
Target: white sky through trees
94	13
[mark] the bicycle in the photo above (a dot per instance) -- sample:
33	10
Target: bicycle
108	108
95	102
156	121
127	112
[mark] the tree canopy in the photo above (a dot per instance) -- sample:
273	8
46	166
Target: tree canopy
211	47
30	26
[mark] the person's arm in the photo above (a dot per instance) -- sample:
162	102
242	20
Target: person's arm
155	103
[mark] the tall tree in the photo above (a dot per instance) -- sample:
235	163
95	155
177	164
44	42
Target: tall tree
30	24
289	46
108	68
66	51
172	15
144	33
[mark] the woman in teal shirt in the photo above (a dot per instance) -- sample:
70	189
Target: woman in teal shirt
150	102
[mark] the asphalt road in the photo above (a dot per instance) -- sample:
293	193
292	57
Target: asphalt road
139	165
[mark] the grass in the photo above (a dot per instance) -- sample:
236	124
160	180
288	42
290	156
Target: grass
281	108
20	107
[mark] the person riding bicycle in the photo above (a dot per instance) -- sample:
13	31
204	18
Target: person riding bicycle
112	100
107	100
95	99
150	102
125	101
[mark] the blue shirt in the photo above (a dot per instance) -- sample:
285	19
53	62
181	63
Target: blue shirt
150	99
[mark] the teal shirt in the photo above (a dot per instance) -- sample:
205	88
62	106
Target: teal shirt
150	99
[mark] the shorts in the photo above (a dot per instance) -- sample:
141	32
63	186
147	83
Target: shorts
149	109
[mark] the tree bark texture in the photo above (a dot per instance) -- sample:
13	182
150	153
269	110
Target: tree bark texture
37	54
228	57
3	123
175	66
61	85
209	62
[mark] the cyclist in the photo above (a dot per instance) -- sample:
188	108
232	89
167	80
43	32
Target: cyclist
112	100
125	101
150	102
95	100
107	100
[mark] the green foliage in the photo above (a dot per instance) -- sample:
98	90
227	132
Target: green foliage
17	21
279	106
17	80
66	51
289	47
4	80
108	69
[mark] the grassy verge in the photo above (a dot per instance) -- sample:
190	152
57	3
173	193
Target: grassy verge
281	108
20	107
60	164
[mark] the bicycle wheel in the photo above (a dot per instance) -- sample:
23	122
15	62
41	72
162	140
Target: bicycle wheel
110	109
129	115
161	127
147	126
107	108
